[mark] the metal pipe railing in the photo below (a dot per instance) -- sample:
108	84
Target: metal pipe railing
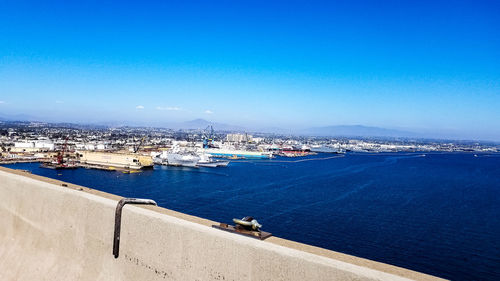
118	219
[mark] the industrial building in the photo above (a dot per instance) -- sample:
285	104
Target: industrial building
238	138
115	160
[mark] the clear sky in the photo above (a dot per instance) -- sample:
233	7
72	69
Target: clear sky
418	65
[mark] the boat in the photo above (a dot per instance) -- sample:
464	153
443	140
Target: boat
58	163
176	157
184	159
206	160
131	171
58	166
325	149
159	160
238	154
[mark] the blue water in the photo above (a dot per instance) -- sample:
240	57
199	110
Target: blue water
438	213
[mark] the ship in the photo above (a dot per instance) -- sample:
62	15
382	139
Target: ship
176	157
206	160
159	160
326	149
58	166
238	154
182	159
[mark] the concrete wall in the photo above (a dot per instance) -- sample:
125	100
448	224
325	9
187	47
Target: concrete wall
52	232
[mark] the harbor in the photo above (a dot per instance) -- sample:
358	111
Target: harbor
142	153
136	149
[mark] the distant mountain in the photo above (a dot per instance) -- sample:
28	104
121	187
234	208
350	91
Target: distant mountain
275	130
355	131
196	124
18	117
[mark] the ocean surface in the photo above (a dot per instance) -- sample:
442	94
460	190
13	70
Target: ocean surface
437	213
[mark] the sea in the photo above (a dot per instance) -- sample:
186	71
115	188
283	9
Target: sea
436	213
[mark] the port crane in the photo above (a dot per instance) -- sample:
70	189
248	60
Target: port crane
208	136
59	159
136	148
60	154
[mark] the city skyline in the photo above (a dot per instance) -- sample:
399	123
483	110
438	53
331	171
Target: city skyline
427	67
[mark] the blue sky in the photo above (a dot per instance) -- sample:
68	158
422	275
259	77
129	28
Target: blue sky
426	66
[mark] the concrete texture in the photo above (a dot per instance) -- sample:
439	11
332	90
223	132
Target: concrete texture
54	232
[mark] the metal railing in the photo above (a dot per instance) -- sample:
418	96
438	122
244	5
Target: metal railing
118	219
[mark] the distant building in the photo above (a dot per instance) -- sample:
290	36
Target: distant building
24	144
258	140
41	145
102	146
44	145
238	138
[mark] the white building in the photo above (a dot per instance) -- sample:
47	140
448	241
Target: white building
32	146
102	146
24	144
44	145
258	140
238	138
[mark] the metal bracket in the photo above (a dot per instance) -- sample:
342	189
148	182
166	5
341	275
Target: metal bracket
118	219
241	231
